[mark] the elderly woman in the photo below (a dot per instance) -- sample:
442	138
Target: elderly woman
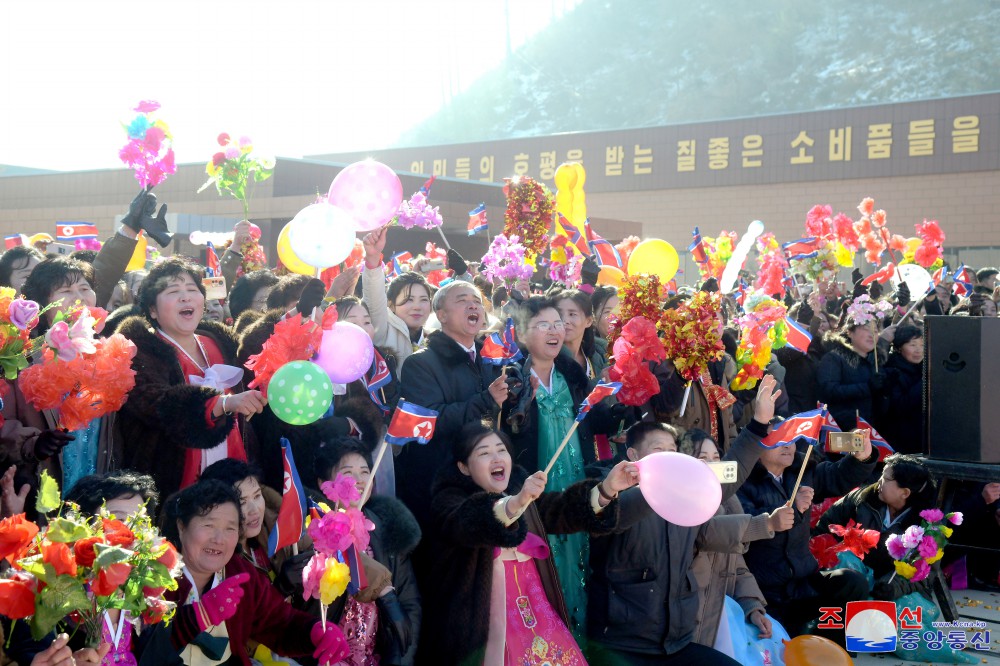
576	308
223	601
187	408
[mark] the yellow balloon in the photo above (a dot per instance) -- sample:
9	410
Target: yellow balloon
579	199
288	258
611	276
565	177
138	260
654	257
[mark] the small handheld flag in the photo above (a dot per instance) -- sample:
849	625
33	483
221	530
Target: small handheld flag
570	231
939	274
804	248
501	348
798	336
805	425
212	261
13	240
395	267
477	220
292	514
376	378
426	187
697	248
411	423
604	252
963	282
72	231
600	392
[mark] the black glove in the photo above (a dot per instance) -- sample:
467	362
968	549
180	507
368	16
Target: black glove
589	271
51	442
856	276
789	301
859	289
289	579
395	620
311	297
457	263
515	382
877	383
902	295
711	285
140	217
875	290
805	313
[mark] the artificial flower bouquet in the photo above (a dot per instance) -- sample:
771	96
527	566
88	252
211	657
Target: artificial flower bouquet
82	376
18	317
506	261
235	168
854	539
529	212
148	151
762	328
338	536
77	567
922	545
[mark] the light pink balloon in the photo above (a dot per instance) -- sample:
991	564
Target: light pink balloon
345	353
681	489
368	190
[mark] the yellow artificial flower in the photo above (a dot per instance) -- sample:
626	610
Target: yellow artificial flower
212	170
7	292
937	556
905	570
334	581
844	256
946	531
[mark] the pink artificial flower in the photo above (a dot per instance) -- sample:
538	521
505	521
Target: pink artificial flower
818	221
897	243
930	231
923	571
23	313
147	106
956	518
360	527
894	544
331	533
232	152
843	230
311	576
131	153
342	490
932	515
223	139
912	536
154	139
927	254
245	142
866	206
57	338
878	218
928	547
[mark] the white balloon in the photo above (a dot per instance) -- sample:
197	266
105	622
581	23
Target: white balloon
321	235
740	252
917	279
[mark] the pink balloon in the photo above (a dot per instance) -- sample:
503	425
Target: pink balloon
345	353
681	489
368	190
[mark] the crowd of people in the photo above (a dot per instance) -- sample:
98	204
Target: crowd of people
478	556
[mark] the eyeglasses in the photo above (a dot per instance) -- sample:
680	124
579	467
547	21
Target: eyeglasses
546	326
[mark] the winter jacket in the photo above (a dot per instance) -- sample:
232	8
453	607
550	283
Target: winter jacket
441	377
726	574
782	564
164	415
305	440
643	595
391	332
456	621
601	420
800	375
844	382
864	507
899	403
666	405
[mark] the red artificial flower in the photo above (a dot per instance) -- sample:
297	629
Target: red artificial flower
818	221
154	139
293	339
930	231
218	159
17	599
878	218
85	551
60	557
866	206
170	558
110	579
116	533
863	227
223	139
817	510
927	254
16	534
897	243
856	539
156	610
824	548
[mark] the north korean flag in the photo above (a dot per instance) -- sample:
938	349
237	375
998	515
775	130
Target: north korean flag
501	348
877	440
212	261
601	391
697	248
426	187
411	423
572	232
292	514
395	266
963	282
605	253
14	240
798	336
477	220
376	378
800	426
72	231
804	248
939	274
829	425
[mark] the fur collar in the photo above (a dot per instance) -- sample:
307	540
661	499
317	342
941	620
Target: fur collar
397	528
837	342
139	330
448	350
450	477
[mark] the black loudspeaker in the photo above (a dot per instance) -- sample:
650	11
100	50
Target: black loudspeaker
962	388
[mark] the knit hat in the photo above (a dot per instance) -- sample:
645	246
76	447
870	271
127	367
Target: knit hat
904	334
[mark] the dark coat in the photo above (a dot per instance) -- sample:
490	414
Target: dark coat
305	440
800	375
164	415
600	421
456	621
642	595
899	403
844	382
782	564
443	378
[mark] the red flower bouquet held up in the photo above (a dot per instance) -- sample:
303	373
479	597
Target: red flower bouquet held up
637	345
854	539
530	207
692	337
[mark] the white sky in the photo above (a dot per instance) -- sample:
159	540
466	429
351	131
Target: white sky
298	77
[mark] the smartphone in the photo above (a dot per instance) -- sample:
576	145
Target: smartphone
846	442
435	265
215	287
726	471
62	249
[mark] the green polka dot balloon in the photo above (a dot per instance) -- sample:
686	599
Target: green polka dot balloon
299	393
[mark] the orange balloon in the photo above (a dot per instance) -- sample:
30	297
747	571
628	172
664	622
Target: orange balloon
611	276
815	651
